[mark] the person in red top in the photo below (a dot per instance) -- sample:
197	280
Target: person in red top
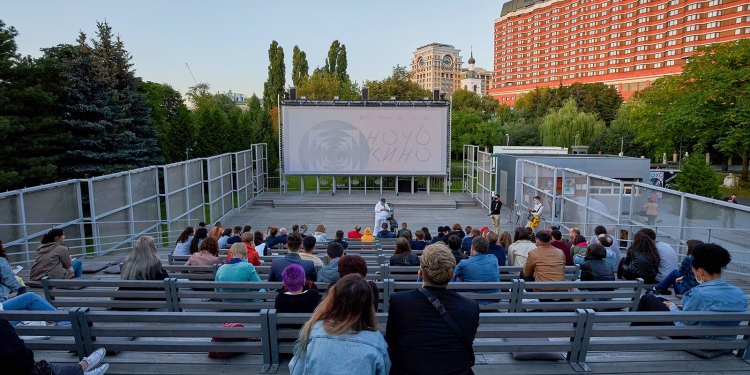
355	233
558	243
252	254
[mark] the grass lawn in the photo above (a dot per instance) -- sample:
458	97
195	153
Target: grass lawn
742	191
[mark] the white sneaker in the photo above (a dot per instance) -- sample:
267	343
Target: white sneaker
98	371
95	358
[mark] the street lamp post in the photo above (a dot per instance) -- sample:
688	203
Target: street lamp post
576	139
187	152
622	145
507	139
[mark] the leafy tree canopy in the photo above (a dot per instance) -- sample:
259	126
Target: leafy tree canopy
399	84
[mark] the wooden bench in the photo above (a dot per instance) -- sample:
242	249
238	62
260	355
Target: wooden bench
623	295
109	294
501	297
497	326
612	332
62	338
182	332
507	273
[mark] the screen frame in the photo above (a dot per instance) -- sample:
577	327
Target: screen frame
445	104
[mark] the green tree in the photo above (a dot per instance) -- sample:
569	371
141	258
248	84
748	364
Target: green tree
107	116
613	138
399	84
336	64
560	127
324	86
31	138
299	66
697	177
274	86
522	133
199	96
173	121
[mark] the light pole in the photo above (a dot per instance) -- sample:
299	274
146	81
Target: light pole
187	151
507	139
622	145
576	139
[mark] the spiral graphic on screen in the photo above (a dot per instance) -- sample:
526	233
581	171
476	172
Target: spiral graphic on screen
335	146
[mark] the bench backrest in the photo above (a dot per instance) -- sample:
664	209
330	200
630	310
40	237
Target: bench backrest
110	294
571	295
507	273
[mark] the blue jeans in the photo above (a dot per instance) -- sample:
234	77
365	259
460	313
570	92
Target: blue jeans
670	281
78	267
32	302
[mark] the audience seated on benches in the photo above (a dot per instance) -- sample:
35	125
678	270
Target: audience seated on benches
237	269
420	339
330	273
712	293
252	255
480	267
143	263
16	358
295	298
402	256
344	323
545	263
454	244
320	234
9	283
682	279
308	246
353	264
519	249
294	241
224	238
208	254
340	239
667	255
560	244
30	302
195	243
182	245
641	261
260	243
367	237
495	248
53	259
420	243
235	238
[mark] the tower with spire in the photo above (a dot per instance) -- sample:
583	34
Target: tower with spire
472	81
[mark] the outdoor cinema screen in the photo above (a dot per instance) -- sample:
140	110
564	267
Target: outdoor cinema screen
322	140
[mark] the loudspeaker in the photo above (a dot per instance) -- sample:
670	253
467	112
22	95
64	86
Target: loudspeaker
365	93
293	93
436	94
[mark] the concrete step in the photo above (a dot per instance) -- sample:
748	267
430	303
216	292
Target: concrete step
263	202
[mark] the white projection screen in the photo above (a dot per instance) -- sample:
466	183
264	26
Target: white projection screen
323	140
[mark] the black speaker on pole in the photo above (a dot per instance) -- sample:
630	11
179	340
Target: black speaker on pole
365	93
293	93
436	94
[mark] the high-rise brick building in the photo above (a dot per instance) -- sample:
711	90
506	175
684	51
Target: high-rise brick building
624	43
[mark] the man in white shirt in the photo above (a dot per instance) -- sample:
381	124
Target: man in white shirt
537	210
381	212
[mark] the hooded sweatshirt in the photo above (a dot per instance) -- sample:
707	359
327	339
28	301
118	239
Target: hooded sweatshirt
53	260
367	237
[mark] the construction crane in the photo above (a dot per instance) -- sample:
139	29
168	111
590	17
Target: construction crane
191	74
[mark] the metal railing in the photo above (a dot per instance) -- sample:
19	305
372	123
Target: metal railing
110	212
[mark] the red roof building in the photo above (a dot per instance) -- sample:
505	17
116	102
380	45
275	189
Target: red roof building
624	43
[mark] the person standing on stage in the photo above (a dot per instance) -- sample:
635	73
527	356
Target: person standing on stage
381	212
495	207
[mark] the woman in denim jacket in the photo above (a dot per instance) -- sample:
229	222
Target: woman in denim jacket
342	336
712	293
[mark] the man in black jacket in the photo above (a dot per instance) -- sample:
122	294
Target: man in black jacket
495	207
420	340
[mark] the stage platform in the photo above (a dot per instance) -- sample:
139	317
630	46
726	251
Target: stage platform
344	211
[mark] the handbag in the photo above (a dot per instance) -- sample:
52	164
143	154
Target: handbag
642	212
444	314
224	355
530	217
